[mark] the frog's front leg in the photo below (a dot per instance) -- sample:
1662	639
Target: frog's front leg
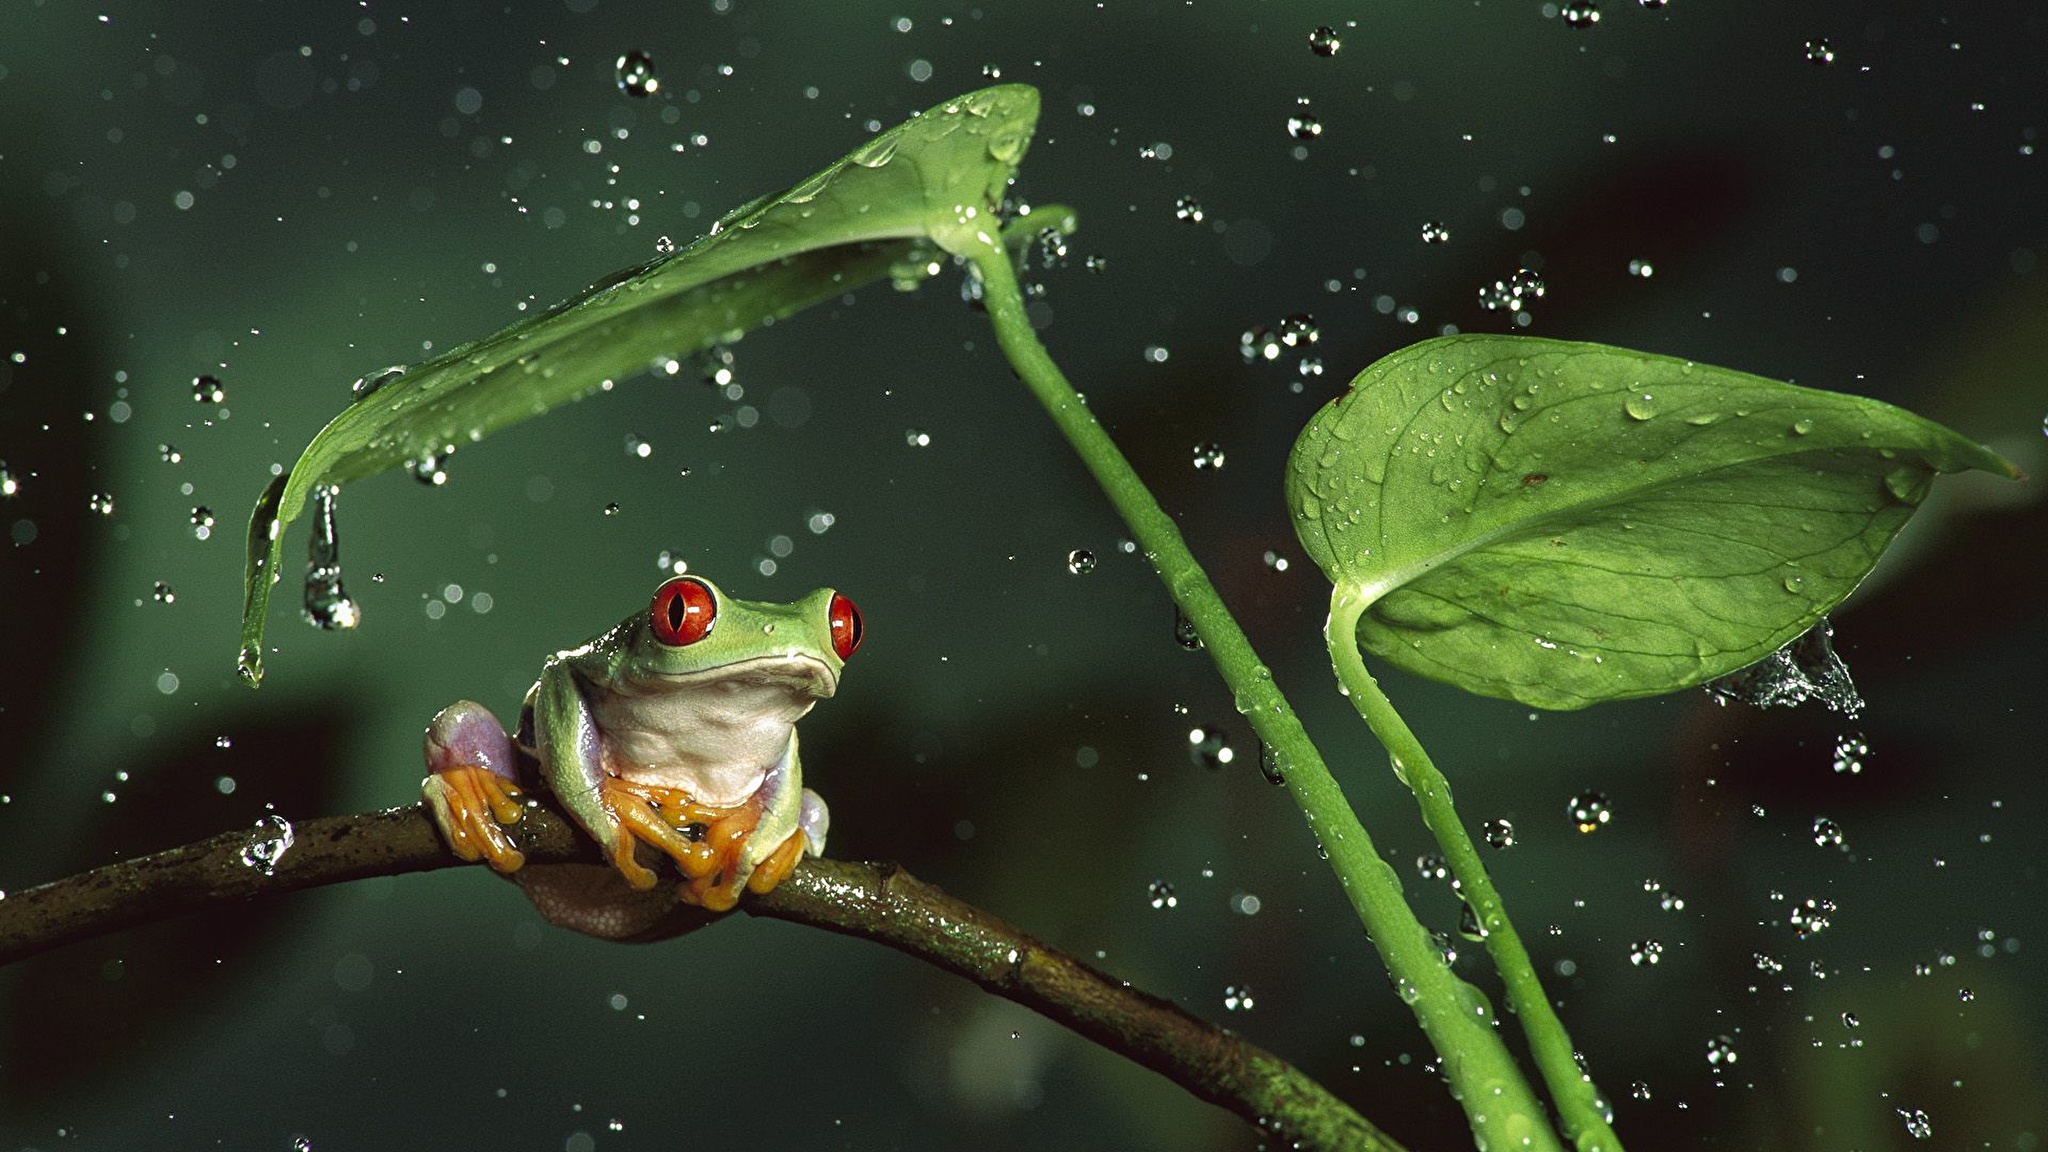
617	816
472	784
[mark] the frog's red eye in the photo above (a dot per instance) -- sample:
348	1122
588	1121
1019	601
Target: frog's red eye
683	611
846	627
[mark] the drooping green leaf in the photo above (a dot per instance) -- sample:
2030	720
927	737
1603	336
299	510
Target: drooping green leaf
934	181
1562	523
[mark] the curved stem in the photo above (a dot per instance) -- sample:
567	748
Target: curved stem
879	902
1586	1115
1498	1101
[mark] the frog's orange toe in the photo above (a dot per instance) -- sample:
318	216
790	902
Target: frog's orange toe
471	805
777	867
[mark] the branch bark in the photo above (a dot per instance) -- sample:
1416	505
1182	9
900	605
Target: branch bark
879	902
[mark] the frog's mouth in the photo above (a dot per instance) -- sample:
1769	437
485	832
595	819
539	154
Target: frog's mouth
793	672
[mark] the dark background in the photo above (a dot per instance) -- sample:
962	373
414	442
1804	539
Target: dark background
364	184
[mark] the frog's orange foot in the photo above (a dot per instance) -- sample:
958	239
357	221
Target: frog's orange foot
777	867
471	806
638	820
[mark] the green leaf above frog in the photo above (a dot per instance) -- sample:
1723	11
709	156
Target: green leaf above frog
676	729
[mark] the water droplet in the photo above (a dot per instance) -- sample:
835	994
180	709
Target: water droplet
1269	767
209	390
1640	406
917	438
1827	833
272	840
1275	561
1299	330
1432	866
670	562
637	448
1801	427
1209	746
1582	14
1080	561
1806	669
1589	810
715	366
1849	1020
430	469
1160	893
1498	834
636	74
1640	1089
1188	209
1811	916
1645	953
1468	923
1907	485
163	593
165	452
1324	42
1304	126
1965	995
612	508
1850	750
1721	1052
365	385
1237	998
1514	293
101	502
1918	1126
202	523
1184	633
1258	343
327	603
1641	268
1208	456
1820	51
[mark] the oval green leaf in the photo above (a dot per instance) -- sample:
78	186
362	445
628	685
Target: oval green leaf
1561	523
935	180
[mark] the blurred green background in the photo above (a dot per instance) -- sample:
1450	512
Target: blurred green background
288	197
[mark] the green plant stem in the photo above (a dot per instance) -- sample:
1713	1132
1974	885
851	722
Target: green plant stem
1499	1102
1585	1114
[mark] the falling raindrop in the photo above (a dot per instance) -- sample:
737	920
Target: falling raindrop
1209	746
1806	669
163	593
1303	125
165	452
1259	343
1589	810
715	365
1298	330
1850	750
636	74
1811	916
1160	893
670	562
1432	866
1208	456
1498	834
1188	209
1721	1052
209	390
1237	998
917	438
1324	42
1918	1126
637	448
327	603
202	522
1827	833
1641	268
1820	51
1080	562
1645	953
430	468
1583	14
1435	232
101	502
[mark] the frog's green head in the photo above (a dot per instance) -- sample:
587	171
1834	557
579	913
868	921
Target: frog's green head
694	633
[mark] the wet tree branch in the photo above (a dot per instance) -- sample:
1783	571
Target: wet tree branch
880	902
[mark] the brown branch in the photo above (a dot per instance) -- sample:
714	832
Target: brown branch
880	902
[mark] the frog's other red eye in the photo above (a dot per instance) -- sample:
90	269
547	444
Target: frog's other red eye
683	611
846	626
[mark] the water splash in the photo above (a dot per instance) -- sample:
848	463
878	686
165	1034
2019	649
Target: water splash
1806	669
327	604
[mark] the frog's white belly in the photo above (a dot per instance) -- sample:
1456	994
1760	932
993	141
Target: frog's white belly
716	741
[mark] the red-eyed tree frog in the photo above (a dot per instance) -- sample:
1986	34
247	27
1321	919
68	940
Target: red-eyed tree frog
676	729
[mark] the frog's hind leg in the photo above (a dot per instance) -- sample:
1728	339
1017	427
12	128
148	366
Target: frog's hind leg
471	789
779	864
